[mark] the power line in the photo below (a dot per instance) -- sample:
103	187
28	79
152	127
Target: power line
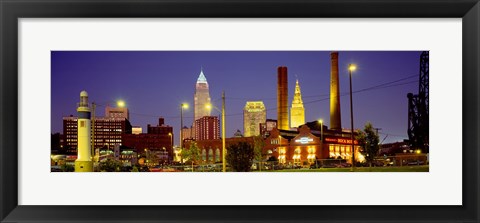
376	87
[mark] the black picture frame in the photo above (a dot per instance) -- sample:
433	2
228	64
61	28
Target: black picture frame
11	11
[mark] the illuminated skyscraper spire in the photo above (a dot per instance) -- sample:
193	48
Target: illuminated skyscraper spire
297	111
201	77
201	98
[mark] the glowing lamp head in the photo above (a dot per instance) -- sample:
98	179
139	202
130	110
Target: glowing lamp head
184	106
121	104
352	67
320	121
208	106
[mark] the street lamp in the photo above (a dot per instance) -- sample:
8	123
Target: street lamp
121	103
182	106
321	129
351	68
209	106
171	143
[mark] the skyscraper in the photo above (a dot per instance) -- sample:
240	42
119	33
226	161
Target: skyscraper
201	99
297	111
254	113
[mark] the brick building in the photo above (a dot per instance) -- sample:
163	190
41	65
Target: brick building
305	145
207	128
157	140
211	150
107	132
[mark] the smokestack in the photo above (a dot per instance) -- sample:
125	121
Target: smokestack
282	98
335	117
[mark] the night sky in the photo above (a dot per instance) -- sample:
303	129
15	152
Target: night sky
154	83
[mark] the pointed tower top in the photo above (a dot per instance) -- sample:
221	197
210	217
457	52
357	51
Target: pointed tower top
297	89
297	97
201	77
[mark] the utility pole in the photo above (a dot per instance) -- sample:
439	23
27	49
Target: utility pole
93	129
223	132
376	130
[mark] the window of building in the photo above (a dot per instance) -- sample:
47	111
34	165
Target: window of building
204	155
281	155
217	155
297	156
210	155
311	154
332	151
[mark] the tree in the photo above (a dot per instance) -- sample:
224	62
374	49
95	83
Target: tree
240	156
67	168
110	165
258	144
191	154
368	141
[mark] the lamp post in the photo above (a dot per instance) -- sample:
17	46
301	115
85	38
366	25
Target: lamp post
171	143
321	129
223	132
209	106
321	139
351	68
182	106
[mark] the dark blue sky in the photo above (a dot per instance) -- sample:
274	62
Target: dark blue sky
154	83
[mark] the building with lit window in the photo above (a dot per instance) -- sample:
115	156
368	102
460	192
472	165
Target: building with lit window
297	111
267	127
117	112
201	100
158	139
137	130
108	132
187	133
253	114
207	128
211	150
128	156
305	145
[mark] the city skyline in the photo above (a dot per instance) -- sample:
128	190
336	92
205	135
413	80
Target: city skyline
155	83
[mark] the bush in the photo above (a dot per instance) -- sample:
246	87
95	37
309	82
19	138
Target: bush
240	156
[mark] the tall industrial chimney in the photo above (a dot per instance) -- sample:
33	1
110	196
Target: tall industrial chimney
282	98
335	117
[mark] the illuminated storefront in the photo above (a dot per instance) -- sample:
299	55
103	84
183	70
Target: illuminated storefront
305	146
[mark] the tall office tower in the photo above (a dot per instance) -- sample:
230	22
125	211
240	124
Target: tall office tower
187	133
117	113
282	98
297	111
254	113
208	128
335	117
84	162
201	98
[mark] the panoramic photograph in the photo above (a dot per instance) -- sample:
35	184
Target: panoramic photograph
239	111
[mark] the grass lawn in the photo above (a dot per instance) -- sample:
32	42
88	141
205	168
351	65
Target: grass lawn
365	169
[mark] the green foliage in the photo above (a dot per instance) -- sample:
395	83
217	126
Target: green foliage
258	144
67	168
191	154
110	165
368	141
240	156
134	169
